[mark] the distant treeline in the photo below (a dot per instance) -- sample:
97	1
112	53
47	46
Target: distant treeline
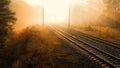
110	15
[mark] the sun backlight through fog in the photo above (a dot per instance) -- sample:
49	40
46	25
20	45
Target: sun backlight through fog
58	10
55	10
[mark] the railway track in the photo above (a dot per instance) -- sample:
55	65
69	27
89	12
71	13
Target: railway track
105	42
113	44
106	60
112	49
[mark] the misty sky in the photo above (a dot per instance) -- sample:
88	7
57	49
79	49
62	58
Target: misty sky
28	12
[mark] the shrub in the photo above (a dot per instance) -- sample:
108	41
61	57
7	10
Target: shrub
36	47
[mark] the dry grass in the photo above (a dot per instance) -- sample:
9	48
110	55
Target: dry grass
104	32
35	47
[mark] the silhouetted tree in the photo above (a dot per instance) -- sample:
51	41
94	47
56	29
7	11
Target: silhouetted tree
7	20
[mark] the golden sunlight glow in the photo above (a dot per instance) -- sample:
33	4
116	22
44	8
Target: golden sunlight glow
58	10
55	10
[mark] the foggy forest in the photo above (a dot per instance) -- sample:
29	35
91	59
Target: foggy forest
59	33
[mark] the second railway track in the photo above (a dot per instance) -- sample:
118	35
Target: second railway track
104	58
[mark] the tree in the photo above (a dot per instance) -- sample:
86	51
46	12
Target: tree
111	14
7	20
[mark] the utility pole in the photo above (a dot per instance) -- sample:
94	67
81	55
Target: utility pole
43	16
69	16
42	12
